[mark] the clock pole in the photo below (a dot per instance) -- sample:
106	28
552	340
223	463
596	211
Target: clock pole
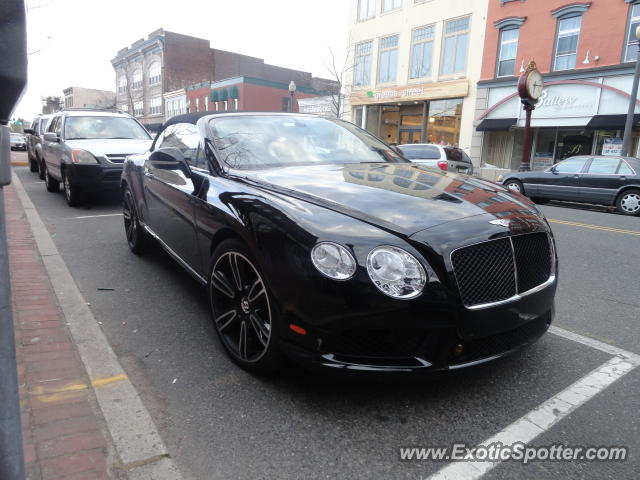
529	88
526	152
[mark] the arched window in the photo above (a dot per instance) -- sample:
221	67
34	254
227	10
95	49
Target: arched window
122	83
137	79
508	45
568	35
631	47
154	73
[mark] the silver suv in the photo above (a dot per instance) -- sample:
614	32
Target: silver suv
449	159
85	150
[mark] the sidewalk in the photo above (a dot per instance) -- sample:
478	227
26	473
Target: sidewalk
63	434
82	418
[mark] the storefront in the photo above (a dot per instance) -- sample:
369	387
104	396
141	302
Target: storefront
424	113
573	117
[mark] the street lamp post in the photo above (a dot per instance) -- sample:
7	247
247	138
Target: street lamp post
292	91
628	126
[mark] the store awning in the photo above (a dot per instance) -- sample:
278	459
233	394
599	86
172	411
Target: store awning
496	124
610	122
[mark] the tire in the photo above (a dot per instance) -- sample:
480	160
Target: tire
71	192
51	183
628	202
41	167
243	310
33	166
137	238
514	185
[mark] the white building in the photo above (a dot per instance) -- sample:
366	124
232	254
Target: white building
80	97
415	68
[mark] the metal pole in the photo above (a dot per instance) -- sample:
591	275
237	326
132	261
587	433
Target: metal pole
291	104
526	148
11	460
628	126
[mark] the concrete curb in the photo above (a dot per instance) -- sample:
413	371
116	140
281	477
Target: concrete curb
19	164
135	436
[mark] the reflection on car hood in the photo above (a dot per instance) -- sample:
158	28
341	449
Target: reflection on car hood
404	198
101	147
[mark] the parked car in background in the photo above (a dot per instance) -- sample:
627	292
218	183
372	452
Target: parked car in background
18	141
85	150
319	242
34	143
449	159
590	179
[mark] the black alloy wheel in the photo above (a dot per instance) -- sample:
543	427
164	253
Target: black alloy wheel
243	313
136	236
71	192
52	184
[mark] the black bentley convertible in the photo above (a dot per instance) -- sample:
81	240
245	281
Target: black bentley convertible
318	242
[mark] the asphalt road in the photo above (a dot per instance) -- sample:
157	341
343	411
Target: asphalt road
220	422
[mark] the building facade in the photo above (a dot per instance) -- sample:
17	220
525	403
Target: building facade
586	52
79	97
415	68
152	70
246	93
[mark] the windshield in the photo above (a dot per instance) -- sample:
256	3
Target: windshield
81	128
254	142
17	135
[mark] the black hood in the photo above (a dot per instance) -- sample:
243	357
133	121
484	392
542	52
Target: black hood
402	197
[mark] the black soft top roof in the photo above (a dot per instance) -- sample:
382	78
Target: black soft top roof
186	118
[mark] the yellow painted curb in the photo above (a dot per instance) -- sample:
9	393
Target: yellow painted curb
19	164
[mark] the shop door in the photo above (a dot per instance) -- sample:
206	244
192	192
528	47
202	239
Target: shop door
409	135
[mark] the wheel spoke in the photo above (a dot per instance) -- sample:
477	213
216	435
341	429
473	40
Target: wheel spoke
221	284
242	341
256	290
226	319
235	270
261	330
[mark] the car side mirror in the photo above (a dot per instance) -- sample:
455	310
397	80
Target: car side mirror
51	137
170	159
30	131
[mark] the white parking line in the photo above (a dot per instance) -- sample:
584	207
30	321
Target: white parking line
103	215
541	419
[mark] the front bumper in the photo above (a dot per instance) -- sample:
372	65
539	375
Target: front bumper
95	177
499	331
18	146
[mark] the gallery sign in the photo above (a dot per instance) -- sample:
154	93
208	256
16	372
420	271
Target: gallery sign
425	91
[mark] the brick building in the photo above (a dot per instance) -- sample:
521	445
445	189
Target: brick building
151	70
587	59
245	93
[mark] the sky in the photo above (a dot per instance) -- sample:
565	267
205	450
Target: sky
72	42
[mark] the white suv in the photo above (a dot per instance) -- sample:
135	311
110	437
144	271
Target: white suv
85	150
449	159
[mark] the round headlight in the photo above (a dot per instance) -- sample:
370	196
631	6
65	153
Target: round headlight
333	261
396	272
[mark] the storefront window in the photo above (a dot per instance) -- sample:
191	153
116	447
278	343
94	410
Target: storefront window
545	148
389	127
573	142
608	142
443	127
